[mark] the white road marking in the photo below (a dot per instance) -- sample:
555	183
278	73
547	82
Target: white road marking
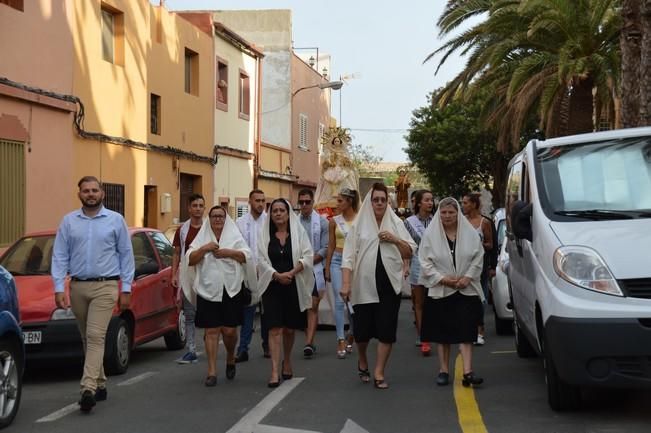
501	352
261	428
249	421
59	413
75	406
352	427
136	379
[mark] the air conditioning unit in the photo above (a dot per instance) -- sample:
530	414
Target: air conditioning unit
165	202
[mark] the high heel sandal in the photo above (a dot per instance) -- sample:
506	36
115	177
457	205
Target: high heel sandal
471	379
341	353
349	344
380	384
364	374
285	376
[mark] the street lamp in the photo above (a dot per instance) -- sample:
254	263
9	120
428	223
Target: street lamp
334	85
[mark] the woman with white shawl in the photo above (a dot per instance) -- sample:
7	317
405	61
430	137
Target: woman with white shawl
451	258
285	283
220	264
373	265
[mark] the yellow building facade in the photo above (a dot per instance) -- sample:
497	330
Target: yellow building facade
145	78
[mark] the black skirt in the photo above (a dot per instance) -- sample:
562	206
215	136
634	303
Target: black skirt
281	309
450	320
379	319
229	312
280	305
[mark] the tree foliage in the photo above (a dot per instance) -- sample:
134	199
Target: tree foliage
556	58
454	151
364	158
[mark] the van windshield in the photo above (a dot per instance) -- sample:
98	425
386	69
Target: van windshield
602	180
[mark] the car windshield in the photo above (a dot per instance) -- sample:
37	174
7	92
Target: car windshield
603	180
29	256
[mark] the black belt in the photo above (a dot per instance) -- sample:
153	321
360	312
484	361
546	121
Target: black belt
111	278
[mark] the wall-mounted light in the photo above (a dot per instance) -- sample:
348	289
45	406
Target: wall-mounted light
324	72
311	61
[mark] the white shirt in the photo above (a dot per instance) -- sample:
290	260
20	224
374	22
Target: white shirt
250	229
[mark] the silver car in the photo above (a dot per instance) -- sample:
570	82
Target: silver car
499	286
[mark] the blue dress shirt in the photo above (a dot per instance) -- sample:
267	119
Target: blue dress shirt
306	222
93	247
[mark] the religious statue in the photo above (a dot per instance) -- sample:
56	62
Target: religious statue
337	169
402	189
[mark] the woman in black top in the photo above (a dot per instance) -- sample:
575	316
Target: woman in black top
285	260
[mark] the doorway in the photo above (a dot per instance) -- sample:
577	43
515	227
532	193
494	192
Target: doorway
150	218
189	184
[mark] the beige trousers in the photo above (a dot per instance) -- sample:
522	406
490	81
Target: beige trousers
92	303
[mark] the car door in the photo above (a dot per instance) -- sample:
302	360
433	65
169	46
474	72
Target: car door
165	253
528	267
146	302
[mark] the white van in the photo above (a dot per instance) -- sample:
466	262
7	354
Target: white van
579	242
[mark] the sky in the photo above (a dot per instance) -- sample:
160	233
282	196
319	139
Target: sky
382	42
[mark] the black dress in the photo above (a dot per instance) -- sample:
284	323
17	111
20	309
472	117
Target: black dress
280	305
452	319
380	319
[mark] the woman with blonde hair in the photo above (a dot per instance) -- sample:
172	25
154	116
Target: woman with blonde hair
451	258
339	227
373	270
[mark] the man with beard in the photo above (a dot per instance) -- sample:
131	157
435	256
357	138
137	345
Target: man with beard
92	245
183	237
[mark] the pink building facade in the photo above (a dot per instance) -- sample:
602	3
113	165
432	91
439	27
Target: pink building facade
36	130
310	119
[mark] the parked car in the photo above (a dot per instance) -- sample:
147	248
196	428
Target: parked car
499	286
50	332
170	231
579	230
12	352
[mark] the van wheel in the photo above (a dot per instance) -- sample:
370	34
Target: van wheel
175	340
117	351
11	380
561	395
502	326
522	345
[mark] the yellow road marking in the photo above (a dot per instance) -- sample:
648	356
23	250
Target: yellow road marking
470	418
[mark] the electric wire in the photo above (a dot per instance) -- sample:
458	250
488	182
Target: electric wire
78	122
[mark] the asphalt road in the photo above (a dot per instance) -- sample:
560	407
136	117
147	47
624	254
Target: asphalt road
158	396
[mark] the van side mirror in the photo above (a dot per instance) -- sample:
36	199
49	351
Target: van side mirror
521	220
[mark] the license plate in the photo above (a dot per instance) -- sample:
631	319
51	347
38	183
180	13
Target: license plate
32	337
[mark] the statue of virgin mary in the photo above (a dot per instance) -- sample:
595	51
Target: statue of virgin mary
337	168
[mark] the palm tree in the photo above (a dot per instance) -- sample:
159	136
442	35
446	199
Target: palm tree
635	42
557	59
630	40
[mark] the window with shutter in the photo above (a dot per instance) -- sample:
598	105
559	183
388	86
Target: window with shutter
302	132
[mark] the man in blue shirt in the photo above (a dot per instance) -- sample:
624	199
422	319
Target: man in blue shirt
316	228
93	246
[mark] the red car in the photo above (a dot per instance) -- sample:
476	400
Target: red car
50	332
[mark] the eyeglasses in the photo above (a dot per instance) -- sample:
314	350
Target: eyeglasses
304	202
379	200
218	217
